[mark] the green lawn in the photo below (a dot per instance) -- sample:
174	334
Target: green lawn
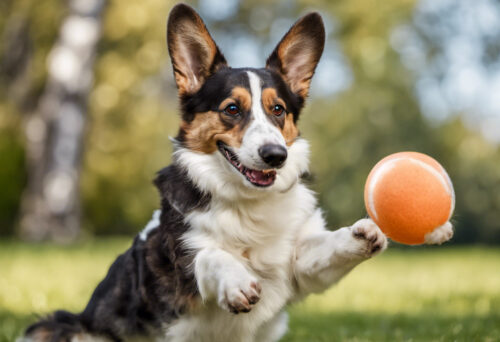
419	294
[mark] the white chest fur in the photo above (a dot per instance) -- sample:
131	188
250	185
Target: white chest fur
261	235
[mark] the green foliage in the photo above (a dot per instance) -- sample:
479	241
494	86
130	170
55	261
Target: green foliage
41	19
133	110
422	294
379	115
376	116
132	114
12	177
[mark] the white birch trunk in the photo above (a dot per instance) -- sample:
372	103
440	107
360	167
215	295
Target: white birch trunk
54	132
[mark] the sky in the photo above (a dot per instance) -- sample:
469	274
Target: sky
464	77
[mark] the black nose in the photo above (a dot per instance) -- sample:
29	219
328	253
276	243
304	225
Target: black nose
273	155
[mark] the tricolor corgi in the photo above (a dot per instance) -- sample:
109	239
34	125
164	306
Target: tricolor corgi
239	236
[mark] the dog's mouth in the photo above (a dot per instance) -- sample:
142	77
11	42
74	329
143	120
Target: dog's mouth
260	178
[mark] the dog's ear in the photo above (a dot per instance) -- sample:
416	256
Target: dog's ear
194	54
298	53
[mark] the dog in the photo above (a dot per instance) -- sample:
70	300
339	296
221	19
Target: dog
239	235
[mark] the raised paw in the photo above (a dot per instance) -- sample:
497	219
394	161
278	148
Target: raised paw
239	294
371	239
440	234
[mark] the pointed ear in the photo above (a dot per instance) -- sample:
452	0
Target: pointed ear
298	53
194	54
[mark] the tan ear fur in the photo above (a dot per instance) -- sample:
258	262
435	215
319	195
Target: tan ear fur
194	54
298	53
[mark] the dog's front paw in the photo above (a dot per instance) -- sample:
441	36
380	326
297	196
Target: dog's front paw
370	239
239	293
440	234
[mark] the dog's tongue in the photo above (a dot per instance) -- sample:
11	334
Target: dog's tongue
262	178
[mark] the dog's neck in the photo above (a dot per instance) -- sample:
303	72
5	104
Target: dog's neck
182	194
178	190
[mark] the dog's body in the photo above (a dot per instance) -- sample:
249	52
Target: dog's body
238	231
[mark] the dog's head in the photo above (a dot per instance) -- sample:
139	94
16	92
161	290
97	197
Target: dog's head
238	129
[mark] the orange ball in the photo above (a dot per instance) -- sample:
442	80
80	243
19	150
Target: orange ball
408	195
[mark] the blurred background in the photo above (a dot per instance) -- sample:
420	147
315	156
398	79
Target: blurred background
88	102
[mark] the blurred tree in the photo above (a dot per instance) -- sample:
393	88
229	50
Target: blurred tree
50	204
133	110
373	109
12	175
379	114
27	34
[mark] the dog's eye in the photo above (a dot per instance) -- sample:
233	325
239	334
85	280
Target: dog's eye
278	110
232	109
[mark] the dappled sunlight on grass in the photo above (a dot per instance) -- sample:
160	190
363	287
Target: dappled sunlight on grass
370	326
422	294
418	294
40	278
455	281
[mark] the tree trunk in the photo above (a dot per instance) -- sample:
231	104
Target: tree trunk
54	132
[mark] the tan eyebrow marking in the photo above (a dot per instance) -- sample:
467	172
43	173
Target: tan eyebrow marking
289	130
270	98
239	95
203	132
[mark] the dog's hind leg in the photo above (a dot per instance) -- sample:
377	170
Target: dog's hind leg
61	326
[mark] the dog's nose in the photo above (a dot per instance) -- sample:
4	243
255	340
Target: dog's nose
273	155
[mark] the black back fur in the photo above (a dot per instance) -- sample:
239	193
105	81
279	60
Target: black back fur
147	286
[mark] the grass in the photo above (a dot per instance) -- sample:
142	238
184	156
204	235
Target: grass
418	294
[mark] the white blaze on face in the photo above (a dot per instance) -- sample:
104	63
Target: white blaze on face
260	131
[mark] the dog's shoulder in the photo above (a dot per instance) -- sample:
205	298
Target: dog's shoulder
178	192
166	256
152	282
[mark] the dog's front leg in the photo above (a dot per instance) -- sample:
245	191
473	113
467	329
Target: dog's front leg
323	257
222	277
